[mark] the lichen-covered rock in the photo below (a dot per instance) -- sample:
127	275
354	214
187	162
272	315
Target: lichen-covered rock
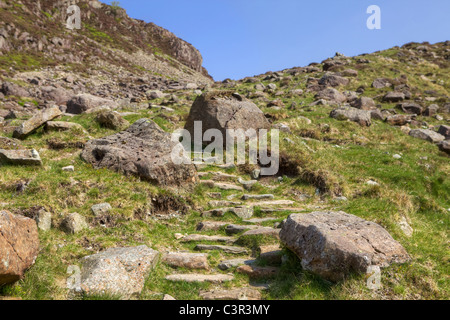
143	150
19	246
111	120
74	223
118	271
332	95
20	157
335	244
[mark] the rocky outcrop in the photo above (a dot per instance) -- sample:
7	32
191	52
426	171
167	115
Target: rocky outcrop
143	150
19	246
336	244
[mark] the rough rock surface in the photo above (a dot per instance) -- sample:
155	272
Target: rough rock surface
112	120
118	271
74	223
19	246
225	110
335	244
144	150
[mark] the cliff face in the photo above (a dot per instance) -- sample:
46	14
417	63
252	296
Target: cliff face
108	38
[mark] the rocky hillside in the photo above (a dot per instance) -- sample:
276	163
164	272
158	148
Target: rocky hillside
88	188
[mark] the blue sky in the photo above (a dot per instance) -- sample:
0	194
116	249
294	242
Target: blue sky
239	38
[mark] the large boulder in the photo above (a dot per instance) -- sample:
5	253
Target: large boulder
19	246
86	102
143	150
362	117
39	119
336	244
117	271
224	110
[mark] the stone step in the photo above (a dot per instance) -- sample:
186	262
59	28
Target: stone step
223	203
233	263
256	272
186	260
257	196
273	210
221	185
237	228
211	225
266	231
232	294
226	249
271	254
260	220
201	237
272	203
243	212
192	277
247	184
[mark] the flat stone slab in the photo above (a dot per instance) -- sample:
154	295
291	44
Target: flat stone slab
271	232
241	294
226	249
256	272
213	278
201	237
233	263
20	157
243	212
186	260
272	203
223	203
260	220
336	244
257	196
211	225
227	186
237	228
101	208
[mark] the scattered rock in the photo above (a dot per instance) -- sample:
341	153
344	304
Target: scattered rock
256	272
101	208
44	220
394	96
112	120
226	249
74	223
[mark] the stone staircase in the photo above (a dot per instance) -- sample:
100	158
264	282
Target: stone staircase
237	258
